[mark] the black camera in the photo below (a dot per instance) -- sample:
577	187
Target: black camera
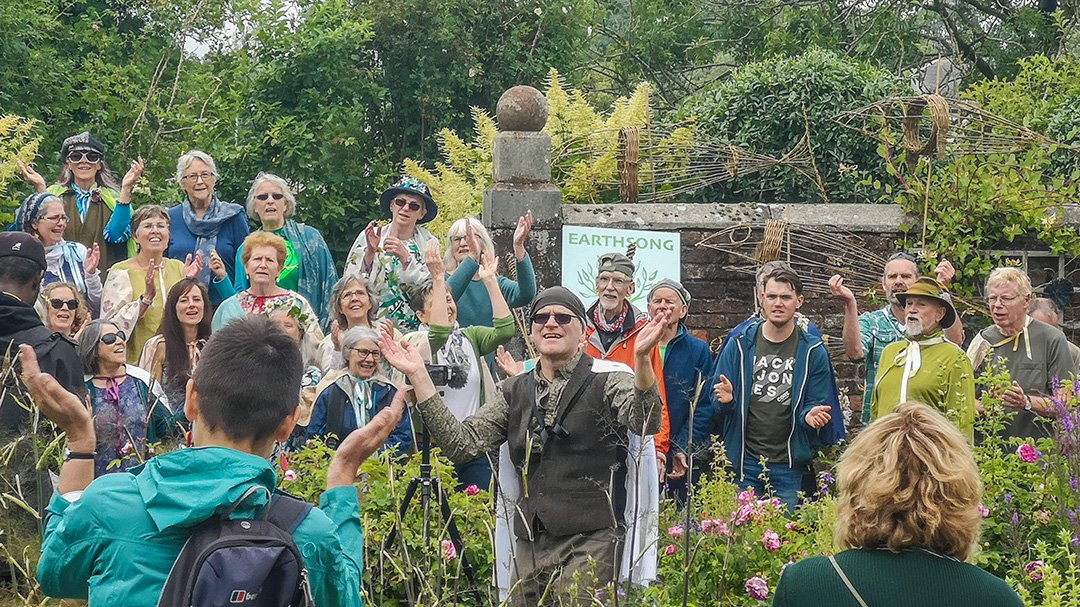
440	374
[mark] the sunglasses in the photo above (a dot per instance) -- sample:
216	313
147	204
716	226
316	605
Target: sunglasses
560	318
275	196
111	338
412	204
60	304
77	157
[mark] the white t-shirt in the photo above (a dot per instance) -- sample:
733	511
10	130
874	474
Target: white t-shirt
463	401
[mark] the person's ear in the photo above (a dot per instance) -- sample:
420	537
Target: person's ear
799	302
633	286
287	426
191	401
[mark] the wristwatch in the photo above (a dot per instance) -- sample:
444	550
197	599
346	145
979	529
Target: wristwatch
1027	405
70	455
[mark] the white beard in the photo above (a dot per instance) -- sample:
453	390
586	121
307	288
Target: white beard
914	328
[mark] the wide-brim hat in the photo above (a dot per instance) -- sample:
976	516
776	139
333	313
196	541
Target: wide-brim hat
928	287
410	185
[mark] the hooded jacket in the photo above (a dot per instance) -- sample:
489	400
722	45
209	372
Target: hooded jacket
810	386
622	351
116	544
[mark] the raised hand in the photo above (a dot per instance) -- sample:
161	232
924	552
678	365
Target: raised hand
193	265
945	272
433	259
361	443
217	266
31	177
150	289
840	292
524	226
489	267
335	335
133	175
475	246
397	248
403	357
650	334
818	417
372	235
92	259
506	362
723	390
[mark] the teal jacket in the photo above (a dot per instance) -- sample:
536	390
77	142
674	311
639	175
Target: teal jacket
116	544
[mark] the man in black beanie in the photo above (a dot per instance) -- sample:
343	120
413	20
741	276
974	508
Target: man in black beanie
568	425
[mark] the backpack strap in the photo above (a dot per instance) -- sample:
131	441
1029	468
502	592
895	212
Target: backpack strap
286	512
843	577
335	412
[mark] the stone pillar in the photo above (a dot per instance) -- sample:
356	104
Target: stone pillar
522	172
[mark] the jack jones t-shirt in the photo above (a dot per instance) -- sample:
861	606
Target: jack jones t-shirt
768	422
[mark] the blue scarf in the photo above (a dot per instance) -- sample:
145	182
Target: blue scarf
206	229
82	199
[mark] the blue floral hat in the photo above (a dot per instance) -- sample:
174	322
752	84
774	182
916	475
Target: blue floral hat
410	185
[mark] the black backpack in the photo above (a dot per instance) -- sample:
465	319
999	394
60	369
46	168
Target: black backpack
254	563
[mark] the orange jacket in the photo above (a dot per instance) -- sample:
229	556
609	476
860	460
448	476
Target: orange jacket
622	350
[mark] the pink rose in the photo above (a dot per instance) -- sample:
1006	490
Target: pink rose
1027	453
290	475
714	526
743	514
771	541
670	550
746	497
1034	570
675	531
449	552
791	526
757	588
472	490
984	511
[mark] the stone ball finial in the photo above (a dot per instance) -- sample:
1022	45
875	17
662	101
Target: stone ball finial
522	108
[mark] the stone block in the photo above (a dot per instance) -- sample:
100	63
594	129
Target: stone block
522	157
505	203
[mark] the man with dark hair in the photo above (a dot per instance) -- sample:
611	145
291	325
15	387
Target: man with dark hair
114	540
866	335
772	388
22	264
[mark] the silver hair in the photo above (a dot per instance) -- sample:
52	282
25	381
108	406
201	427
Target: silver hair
290	198
353	336
185	161
46	201
458	229
339	289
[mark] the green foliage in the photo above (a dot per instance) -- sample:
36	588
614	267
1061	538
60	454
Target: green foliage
761	109
17	143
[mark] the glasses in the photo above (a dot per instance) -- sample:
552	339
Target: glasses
904	256
160	226
56	218
77	157
372	354
60	304
353	295
615	281
403	202
458	239
199	177
560	318
1001	299
111	338
275	196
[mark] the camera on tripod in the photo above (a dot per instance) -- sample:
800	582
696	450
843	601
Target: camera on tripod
441	375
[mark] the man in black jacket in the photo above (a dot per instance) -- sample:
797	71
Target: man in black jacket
22	265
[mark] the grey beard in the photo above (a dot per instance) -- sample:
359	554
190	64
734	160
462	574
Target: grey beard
914	328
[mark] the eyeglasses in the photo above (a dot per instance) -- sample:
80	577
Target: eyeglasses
77	157
903	255
199	177
458	239
275	196
615	281
60	304
372	354
1001	299
560	318
56	218
111	338
412	204
358	294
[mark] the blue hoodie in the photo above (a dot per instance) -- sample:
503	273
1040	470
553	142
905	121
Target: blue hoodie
811	383
117	543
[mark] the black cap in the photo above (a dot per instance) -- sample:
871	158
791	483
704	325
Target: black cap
83	141
21	244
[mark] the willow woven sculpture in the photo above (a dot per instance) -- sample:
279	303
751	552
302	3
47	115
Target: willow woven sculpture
655	162
932	125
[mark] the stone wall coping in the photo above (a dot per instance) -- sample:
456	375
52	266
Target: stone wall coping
872	218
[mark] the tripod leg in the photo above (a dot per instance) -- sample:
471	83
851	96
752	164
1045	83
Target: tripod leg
410	492
452	529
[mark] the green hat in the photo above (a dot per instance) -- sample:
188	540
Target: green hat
615	262
928	287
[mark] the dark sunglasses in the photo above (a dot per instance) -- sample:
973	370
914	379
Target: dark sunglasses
275	196
60	304
111	338
412	204
560	318
84	157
